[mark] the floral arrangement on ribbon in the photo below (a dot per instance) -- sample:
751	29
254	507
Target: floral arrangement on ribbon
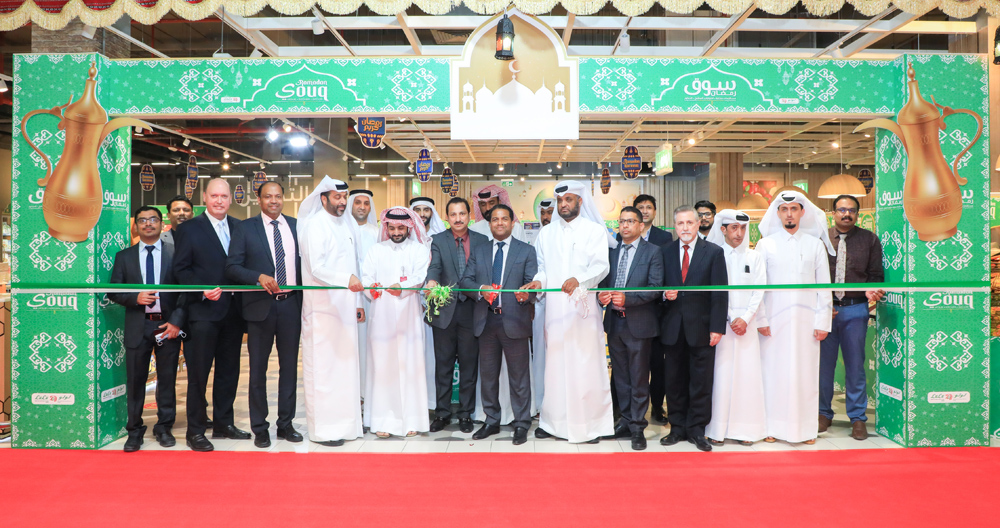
436	297
376	291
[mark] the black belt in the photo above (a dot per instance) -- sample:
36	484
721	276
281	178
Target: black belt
282	296
154	316
848	301
496	311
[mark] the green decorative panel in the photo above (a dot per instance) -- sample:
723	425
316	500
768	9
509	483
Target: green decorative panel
758	86
279	86
994	387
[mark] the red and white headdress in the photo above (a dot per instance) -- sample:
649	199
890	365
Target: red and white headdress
403	216
491	191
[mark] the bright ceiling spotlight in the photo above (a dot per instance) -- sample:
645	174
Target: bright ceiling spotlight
272	135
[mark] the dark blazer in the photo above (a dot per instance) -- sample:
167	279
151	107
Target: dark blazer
126	271
249	256
444	268
642	309
657	237
520	269
701	312
199	259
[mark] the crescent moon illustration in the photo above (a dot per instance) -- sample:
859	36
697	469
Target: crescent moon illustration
511	67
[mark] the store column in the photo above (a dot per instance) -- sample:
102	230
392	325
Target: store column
725	177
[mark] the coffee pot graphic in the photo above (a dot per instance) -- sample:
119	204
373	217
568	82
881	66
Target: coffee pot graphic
932	199
73	195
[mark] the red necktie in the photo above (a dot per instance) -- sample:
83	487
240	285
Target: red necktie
684	264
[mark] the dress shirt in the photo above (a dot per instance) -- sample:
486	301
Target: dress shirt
287	243
225	227
864	258
157	257
465	242
691	247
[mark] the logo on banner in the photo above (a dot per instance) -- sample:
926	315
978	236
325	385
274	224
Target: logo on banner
53	398
191	182
53	302
303	85
146	177
533	96
949	300
371	130
948	397
424	166
631	163
714	85
890	391
112	393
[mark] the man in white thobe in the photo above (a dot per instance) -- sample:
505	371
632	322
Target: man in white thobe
330	371
794	246
573	256
396	389
543	212
360	204
487	198
425	209
738	390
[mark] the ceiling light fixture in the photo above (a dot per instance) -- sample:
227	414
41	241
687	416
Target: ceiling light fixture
298	141
344	158
624	42
317	26
691	141
505	39
569	147
835	145
287	128
500	167
559	165
312	141
225	154
272	135
225	166
186	142
362	165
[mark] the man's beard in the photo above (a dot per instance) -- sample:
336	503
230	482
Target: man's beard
398	239
361	217
705	228
789	225
573	213
427	223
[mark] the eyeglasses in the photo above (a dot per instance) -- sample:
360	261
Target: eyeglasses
148	220
628	221
845	210
705	215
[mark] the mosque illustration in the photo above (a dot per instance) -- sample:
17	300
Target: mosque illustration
515	112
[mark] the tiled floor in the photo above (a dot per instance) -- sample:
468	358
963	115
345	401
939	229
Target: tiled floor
451	440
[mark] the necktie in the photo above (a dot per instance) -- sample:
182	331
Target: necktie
223	236
461	257
150	269
279	256
622	267
841	264
498	268
684	264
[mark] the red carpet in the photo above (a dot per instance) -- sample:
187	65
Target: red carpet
897	487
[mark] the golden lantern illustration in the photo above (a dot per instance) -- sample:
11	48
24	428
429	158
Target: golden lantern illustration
932	198
73	194
605	181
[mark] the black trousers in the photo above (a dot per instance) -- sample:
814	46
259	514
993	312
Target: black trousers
281	327
136	373
630	373
689	374
219	342
657	359
494	346
457	342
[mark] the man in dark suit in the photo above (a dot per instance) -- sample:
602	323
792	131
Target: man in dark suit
646	205
503	321
454	337
265	251
152	322
216	329
631	321
692	325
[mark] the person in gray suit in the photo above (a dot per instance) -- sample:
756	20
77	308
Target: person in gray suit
152	322
453	333
503	321
631	321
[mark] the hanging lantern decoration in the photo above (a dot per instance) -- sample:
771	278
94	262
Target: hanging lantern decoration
259	178
371	130
447	180
631	163
425	166
240	195
866	179
605	181
505	39
146	178
191	182
454	187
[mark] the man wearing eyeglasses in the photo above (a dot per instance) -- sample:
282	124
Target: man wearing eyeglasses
858	259
706	218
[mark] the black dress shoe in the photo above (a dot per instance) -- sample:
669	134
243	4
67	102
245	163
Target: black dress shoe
485	431
638	441
701	443
330	443
230	432
622	431
133	443
593	441
198	442
465	425
289	433
520	435
671	439
439	424
262	440
165	439
658	417
542	433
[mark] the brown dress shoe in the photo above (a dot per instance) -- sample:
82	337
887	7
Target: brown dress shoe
824	423
858	430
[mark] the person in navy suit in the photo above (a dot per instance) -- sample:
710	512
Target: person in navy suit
692	324
265	252
216	327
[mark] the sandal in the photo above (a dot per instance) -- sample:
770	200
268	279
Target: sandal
810	442
745	443
381	434
715	442
770	439
411	434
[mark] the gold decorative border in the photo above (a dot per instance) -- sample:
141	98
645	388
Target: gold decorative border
30	12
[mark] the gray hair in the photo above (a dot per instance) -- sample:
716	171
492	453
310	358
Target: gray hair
684	209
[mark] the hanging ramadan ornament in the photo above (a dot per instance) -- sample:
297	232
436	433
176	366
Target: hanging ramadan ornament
146	178
425	166
447	179
605	181
259	178
240	195
191	183
371	130
454	188
866	179
631	163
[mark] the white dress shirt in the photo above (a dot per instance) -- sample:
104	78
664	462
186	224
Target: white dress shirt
157	257
691	248
287	243
506	252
